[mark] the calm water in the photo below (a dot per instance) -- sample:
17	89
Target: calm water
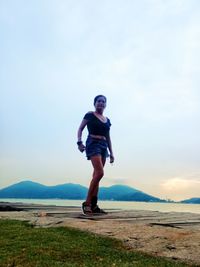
124	205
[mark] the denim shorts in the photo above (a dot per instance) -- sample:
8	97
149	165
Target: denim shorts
96	147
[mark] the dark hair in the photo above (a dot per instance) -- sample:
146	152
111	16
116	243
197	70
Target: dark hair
96	98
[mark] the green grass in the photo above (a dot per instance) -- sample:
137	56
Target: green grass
23	245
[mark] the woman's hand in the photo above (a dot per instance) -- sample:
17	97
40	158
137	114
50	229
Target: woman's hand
81	147
112	159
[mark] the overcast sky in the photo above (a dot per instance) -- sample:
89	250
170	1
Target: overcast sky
56	56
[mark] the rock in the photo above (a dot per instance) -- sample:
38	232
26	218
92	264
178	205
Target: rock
9	208
170	247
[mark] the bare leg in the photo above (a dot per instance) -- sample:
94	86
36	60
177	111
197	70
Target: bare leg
98	173
103	160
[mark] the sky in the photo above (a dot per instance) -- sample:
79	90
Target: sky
57	55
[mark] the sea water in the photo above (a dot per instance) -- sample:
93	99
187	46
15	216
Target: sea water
122	205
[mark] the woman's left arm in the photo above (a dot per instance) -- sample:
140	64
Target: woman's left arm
110	148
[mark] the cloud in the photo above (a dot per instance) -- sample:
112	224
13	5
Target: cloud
109	180
143	55
178	188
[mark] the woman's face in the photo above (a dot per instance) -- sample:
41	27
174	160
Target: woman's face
100	104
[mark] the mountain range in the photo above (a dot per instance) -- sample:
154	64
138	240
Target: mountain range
194	200
32	190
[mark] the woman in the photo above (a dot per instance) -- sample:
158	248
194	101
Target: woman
97	143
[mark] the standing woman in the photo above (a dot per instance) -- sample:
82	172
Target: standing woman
97	145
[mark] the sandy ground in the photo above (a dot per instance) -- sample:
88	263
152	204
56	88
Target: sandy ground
173	235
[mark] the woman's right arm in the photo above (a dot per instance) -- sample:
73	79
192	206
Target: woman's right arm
81	147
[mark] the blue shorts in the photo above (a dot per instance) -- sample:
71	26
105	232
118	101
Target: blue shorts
96	147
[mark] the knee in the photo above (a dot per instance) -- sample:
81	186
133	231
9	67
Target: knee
98	174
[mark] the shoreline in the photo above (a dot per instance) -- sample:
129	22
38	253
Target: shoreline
109	204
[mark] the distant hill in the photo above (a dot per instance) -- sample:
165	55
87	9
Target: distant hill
195	200
115	192
29	189
125	193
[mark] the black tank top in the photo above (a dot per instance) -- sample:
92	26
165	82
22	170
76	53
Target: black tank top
96	126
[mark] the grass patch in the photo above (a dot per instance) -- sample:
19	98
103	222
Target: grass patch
23	245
